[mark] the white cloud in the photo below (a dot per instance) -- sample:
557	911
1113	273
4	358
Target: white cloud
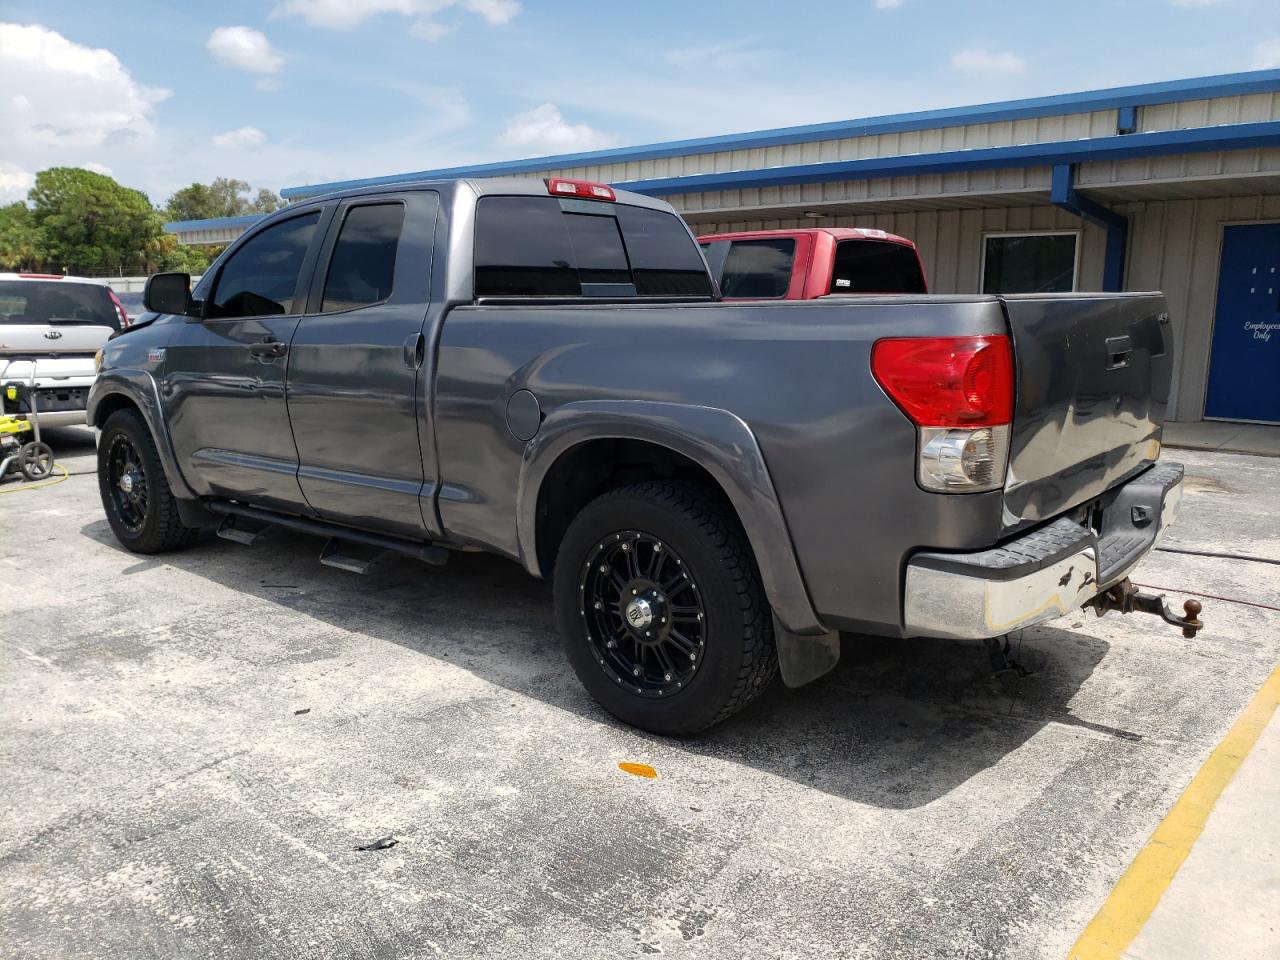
244	49
14	182
1266	55
888	4
348	14
71	95
726	55
241	138
101	168
544	130
984	61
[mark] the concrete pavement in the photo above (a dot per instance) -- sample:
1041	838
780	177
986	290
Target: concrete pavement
192	747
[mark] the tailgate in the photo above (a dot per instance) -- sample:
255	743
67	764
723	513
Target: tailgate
1093	381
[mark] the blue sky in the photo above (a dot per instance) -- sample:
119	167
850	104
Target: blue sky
284	92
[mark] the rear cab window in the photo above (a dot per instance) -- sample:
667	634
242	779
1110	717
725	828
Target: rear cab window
568	247
876	266
56	303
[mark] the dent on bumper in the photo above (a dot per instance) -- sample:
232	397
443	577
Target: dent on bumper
1046	574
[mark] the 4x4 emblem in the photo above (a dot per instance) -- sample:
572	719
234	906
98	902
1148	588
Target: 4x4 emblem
53	335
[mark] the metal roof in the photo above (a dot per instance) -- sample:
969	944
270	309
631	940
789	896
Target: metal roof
1223	137
217	223
1232	84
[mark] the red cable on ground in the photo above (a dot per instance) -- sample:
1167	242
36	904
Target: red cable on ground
1208	596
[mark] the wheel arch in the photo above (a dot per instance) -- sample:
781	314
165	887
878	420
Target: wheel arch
124	389
583	449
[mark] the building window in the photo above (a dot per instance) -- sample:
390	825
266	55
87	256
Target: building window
1030	262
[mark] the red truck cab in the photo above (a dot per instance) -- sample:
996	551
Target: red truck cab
812	262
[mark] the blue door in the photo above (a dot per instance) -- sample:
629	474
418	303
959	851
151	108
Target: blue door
1244	368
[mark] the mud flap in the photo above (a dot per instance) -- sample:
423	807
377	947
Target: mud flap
803	658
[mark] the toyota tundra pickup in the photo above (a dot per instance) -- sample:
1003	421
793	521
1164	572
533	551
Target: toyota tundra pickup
541	369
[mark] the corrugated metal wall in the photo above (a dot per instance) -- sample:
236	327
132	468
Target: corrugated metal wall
1077	126
1174	246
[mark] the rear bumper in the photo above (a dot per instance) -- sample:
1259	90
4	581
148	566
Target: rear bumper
61	400
1044	574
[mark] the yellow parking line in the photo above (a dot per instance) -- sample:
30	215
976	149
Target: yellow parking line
1135	897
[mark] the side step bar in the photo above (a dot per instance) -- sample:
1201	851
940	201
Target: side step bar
242	530
332	555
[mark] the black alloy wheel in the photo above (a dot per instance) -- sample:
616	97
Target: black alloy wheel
660	607
127	482
643	613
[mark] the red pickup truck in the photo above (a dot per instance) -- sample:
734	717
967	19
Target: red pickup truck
812	262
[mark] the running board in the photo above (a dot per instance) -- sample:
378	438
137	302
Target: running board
419	550
338	554
242	530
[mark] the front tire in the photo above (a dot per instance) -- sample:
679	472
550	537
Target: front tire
136	496
661	609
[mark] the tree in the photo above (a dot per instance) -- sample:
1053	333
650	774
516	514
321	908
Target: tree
22	244
90	223
223	197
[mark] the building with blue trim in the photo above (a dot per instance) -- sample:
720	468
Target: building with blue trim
1172	186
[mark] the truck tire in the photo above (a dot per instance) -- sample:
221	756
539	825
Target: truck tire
661	609
139	504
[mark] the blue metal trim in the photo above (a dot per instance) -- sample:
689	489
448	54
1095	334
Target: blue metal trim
1238	136
216	223
1114	98
1064	195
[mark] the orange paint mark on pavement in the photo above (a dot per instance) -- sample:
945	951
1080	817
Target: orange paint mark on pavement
639	770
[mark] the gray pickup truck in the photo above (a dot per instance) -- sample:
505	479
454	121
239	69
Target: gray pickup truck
541	369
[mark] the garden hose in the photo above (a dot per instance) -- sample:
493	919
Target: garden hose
39	483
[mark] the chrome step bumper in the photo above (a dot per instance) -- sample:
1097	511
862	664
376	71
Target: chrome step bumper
1047	573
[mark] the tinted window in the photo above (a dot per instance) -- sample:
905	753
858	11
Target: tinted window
597	248
56	301
758	268
876	266
665	261
715	252
261	277
523	249
364	258
1037	263
566	247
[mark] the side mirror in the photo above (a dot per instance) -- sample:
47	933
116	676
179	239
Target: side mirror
168	293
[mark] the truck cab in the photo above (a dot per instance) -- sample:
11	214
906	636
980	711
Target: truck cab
814	262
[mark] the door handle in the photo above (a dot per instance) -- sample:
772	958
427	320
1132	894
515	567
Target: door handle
415	346
1118	350
269	349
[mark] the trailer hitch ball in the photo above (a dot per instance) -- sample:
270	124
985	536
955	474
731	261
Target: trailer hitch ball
1191	622
1127	598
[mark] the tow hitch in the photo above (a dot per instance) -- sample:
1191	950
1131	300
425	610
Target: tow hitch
1127	598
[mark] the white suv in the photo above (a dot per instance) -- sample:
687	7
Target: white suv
50	328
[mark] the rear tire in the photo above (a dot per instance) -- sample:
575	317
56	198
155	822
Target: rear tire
719	653
136	496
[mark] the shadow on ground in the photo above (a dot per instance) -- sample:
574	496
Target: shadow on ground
897	724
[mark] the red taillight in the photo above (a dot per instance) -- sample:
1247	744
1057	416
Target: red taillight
40	276
560	187
947	381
